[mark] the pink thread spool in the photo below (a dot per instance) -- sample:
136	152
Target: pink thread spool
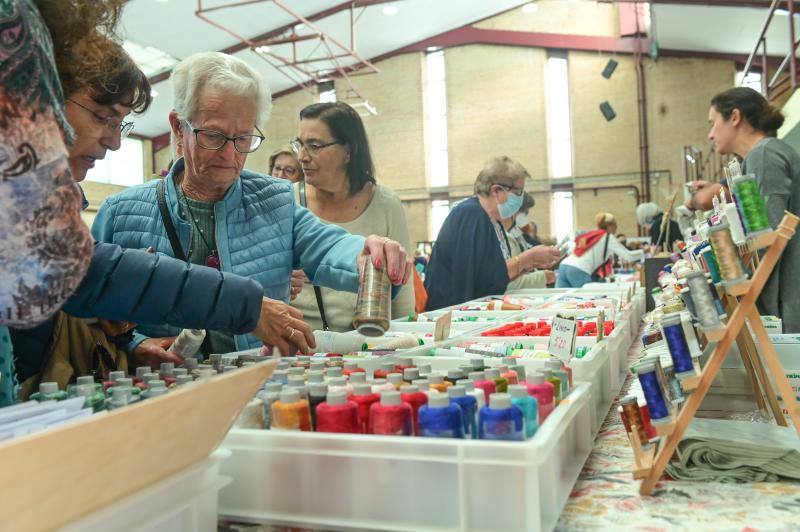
337	414
391	417
544	392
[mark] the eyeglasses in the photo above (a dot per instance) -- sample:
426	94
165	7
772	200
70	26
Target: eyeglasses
513	190
287	170
109	122
313	148
210	139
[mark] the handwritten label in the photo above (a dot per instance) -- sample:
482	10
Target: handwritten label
442	330
562	338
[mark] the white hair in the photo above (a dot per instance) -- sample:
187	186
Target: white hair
206	70
646	212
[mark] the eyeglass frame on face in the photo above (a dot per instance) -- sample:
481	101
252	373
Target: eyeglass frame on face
125	128
509	188
290	171
312	148
197	130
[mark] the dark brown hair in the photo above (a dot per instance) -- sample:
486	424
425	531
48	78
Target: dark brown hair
752	106
348	129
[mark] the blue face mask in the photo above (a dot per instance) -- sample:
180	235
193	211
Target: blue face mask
511	206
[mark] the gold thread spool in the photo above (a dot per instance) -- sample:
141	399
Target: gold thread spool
727	254
373	306
630	408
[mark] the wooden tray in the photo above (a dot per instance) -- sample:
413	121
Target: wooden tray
53	478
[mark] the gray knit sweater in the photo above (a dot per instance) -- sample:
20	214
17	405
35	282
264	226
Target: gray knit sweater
776	166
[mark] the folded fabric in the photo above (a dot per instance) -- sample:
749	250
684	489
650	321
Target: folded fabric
722	450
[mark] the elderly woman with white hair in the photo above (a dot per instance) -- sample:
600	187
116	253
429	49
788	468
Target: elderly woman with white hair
650	216
209	210
472	256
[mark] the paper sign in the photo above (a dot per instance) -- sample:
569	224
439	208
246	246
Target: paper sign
601	320
562	338
442	331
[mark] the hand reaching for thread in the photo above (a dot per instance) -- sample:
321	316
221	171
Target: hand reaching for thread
153	351
540	257
389	255
283	326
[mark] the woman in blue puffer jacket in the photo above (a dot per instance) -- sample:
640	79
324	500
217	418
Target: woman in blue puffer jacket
229	218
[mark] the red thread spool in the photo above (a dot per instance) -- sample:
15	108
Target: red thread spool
415	399
391	416
488	386
337	414
364	399
352	367
383	372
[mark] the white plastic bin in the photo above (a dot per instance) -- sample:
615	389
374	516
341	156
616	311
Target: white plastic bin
335	481
187	501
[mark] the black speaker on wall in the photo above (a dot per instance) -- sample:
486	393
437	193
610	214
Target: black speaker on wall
608	111
611	66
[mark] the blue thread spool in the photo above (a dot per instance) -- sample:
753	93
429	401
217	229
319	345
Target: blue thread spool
653	393
717	301
677	345
440	418
528	405
501	420
705	310
469	409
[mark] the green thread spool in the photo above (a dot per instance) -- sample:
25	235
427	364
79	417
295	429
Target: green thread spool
751	204
713	265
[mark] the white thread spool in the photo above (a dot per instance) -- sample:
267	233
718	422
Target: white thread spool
188	342
703	300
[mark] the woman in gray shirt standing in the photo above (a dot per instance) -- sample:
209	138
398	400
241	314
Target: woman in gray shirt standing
743	123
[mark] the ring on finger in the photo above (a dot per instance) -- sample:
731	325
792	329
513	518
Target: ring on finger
291	333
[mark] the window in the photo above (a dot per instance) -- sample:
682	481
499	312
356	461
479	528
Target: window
122	167
559	131
327	91
752	80
436	119
439	211
564	221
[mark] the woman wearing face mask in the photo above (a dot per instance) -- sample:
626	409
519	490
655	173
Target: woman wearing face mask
517	244
471	257
594	253
744	124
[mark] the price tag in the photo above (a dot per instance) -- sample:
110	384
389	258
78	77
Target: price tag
442	330
601	320
562	338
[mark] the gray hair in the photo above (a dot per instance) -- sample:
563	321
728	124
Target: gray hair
216	70
503	170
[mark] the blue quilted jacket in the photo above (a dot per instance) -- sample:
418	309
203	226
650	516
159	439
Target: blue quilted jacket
261	233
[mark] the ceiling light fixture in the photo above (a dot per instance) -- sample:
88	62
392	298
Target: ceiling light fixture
390	10
530	7
262	49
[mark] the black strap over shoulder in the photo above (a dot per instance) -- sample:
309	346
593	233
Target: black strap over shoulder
174	241
317	290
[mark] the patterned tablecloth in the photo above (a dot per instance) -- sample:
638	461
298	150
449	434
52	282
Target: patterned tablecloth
606	496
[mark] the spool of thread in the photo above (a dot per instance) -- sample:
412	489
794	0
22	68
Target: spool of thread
673	385
188	342
528	405
337	414
364	398
632	418
686	296
441	418
509	375
482	383
717	301
555	381
410	375
734	220
500	383
654	393
501	420
520	371
544	392
469	409
358	378
453	375
711	263
290	412
395	379
415	398
384	369
401	341
704	308
477	393
390	416
373	305
317	392
751	203
677	345
557	370
119	398
438	383
728	256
